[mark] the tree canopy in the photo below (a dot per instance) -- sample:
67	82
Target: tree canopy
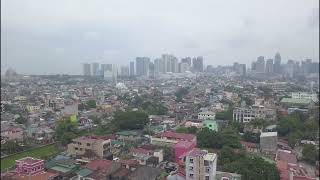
130	120
66	131
310	153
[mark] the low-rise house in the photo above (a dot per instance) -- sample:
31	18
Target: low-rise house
130	136
145	173
142	155
206	115
169	138
102	169
13	133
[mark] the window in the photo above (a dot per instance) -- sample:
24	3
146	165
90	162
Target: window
191	168
207	170
207	178
80	149
191	175
191	160
75	148
206	163
88	144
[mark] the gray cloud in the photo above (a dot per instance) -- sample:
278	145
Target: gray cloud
40	36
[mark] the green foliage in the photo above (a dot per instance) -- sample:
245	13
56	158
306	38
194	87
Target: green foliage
189	130
180	93
154	108
91	104
310	153
207	138
130	120
168	154
252	168
21	119
251	137
225	115
288	125
66	131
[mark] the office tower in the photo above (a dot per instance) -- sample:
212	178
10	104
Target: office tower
124	71
269	66
186	60
289	68
253	66
111	74
151	71
235	66
210	69
277	63
131	68
200	165
242	69
260	64
86	69
156	64
197	64
170	63
184	67
95	69
142	66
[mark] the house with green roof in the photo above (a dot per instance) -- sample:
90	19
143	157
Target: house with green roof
211	124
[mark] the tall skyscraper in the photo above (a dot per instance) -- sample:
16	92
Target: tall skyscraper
201	165
124	71
142	66
156	64
111	74
260	65
95	69
277	63
269	66
197	64
131	68
86	69
253	66
151	71
242	69
170	63
184	67
186	60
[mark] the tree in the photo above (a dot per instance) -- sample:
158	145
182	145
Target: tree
91	104
182	130
251	137
130	120
21	119
211	139
168	153
310	153
66	131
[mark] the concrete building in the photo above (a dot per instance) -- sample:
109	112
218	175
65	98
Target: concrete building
124	71
304	95
86	69
247	114
111	74
184	67
100	146
142	66
277	63
269	66
131	68
201	165
29	166
170	138
260	64
186	60
268	141
206	115
95	69
197	64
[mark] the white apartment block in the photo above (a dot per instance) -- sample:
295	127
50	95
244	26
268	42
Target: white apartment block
246	114
207	115
304	95
201	165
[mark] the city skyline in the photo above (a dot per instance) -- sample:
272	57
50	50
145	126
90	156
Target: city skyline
63	36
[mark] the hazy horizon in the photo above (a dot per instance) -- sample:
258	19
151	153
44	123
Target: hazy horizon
56	37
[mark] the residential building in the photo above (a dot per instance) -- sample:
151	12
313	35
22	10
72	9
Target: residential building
197	64
268	141
201	165
142	66
124	71
207	115
186	60
304	95
29	166
169	138
260	64
181	149
131	69
211	124
277	63
86	69
95	69
100	146
269	66
184	67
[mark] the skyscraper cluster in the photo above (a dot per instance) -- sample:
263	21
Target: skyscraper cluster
290	69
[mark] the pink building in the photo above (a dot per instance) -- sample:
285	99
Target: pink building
181	149
29	166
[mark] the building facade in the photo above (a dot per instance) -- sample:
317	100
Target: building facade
200	165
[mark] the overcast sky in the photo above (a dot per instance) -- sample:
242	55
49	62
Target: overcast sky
46	37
